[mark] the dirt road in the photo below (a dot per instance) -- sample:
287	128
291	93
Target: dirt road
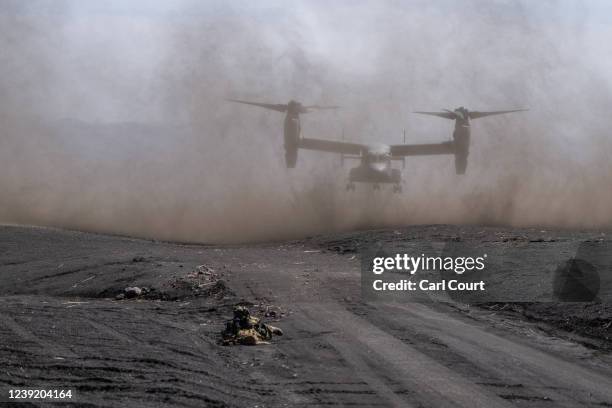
62	326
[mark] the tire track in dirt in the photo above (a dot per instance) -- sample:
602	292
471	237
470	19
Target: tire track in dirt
129	359
343	380
567	384
26	335
433	384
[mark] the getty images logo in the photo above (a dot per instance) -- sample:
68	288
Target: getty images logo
533	272
412	264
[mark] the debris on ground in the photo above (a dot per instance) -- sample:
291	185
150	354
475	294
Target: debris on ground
202	281
132	292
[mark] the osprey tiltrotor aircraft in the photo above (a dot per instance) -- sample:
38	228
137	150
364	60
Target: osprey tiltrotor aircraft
375	158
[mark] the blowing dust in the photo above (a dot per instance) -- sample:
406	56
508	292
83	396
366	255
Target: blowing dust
114	115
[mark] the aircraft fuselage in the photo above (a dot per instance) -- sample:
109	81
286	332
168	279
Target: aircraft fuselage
375	167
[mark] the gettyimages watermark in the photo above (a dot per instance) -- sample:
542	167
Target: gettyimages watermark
476	273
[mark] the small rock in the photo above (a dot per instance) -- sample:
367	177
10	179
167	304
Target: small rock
138	259
132	292
120	296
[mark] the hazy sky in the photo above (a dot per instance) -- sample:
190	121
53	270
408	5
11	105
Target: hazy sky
221	177
118	51
598	9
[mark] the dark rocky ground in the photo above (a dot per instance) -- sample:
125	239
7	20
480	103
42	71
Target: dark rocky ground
592	319
65	321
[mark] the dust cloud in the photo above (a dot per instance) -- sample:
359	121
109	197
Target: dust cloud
114	116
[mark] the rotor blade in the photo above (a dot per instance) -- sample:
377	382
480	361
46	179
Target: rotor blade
306	109
321	107
477	114
445	115
276	107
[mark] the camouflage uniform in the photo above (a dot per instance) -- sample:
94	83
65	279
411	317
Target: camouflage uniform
247	330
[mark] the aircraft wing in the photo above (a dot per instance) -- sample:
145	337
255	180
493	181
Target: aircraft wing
332	146
477	114
422	149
